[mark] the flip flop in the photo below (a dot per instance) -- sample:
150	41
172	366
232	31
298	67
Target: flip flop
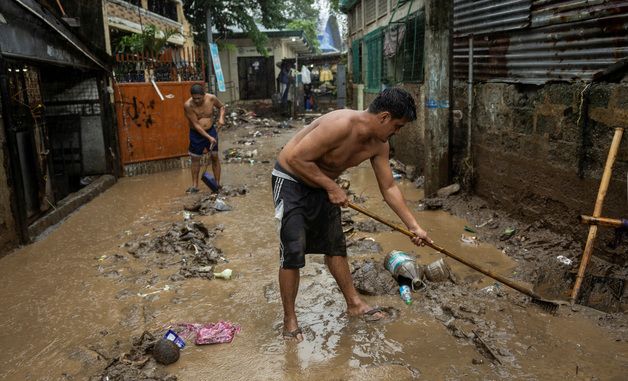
289	335
389	313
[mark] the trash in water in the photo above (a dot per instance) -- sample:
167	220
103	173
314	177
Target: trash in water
492	289
187	215
166	288
210	333
564	260
437	271
404	292
483	224
400	264
469	229
225	274
221	206
468	239
508	233
172	336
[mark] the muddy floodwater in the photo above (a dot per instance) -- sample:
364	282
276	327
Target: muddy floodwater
75	299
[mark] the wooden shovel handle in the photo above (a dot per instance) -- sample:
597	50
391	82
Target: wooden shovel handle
434	246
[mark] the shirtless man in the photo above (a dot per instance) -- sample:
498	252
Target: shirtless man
199	110
307	198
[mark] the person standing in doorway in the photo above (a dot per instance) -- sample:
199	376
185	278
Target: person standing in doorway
307	199
199	110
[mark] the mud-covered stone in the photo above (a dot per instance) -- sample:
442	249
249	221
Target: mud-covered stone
165	352
371	278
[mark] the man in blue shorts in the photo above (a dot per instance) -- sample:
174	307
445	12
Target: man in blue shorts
307	199
199	110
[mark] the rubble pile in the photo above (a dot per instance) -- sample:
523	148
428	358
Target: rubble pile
213	203
189	244
137	364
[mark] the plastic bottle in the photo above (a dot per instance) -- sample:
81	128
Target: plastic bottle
404	292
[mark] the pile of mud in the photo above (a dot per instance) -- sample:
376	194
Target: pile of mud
136	364
188	244
546	259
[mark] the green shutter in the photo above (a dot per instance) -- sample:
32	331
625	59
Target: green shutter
357	62
373	42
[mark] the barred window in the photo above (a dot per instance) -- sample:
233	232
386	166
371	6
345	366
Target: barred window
369	11
413	45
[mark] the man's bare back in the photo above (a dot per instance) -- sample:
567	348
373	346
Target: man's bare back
334	142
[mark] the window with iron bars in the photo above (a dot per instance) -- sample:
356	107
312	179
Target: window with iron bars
407	64
166	8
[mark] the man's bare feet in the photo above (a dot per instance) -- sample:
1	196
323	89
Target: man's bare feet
369	314
294	335
292	331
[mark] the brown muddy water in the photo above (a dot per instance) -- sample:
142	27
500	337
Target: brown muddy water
76	298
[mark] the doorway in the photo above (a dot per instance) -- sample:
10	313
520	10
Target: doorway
256	76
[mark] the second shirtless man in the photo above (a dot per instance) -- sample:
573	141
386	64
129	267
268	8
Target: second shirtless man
199	110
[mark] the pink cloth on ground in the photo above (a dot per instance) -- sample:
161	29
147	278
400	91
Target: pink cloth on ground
210	333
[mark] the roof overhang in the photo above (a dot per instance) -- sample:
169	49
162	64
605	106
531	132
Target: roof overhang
28	35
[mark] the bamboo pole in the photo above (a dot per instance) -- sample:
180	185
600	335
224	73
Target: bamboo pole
602	221
597	211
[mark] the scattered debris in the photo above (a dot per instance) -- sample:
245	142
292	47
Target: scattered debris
208	333
448	190
507	234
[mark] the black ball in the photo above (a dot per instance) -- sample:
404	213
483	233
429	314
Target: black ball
165	352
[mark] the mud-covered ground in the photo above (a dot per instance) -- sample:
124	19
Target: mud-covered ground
90	299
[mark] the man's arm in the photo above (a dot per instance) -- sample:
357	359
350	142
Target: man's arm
393	196
303	156
189	113
221	107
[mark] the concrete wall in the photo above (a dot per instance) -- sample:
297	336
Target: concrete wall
408	145
8	231
528	149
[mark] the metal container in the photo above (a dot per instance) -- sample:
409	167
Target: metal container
437	271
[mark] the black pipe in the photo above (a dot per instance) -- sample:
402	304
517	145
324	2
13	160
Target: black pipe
18	200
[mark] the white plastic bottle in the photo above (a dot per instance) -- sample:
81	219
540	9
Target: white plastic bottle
404	292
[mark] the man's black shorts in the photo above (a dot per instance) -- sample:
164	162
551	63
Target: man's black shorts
309	223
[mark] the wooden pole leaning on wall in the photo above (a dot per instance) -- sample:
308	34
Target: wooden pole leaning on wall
597	211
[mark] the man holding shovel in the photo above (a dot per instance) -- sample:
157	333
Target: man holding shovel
307	199
199	110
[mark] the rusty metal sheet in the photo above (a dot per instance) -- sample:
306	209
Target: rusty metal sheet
566	40
149	128
488	16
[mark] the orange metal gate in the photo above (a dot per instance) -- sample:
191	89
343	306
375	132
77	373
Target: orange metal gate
150	128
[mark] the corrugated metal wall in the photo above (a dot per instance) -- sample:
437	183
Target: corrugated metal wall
539	41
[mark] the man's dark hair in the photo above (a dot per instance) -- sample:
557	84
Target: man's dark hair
197	89
398	102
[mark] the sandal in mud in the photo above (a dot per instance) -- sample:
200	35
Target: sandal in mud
386	314
191	190
292	335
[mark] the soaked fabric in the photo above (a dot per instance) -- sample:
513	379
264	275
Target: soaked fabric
210	333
